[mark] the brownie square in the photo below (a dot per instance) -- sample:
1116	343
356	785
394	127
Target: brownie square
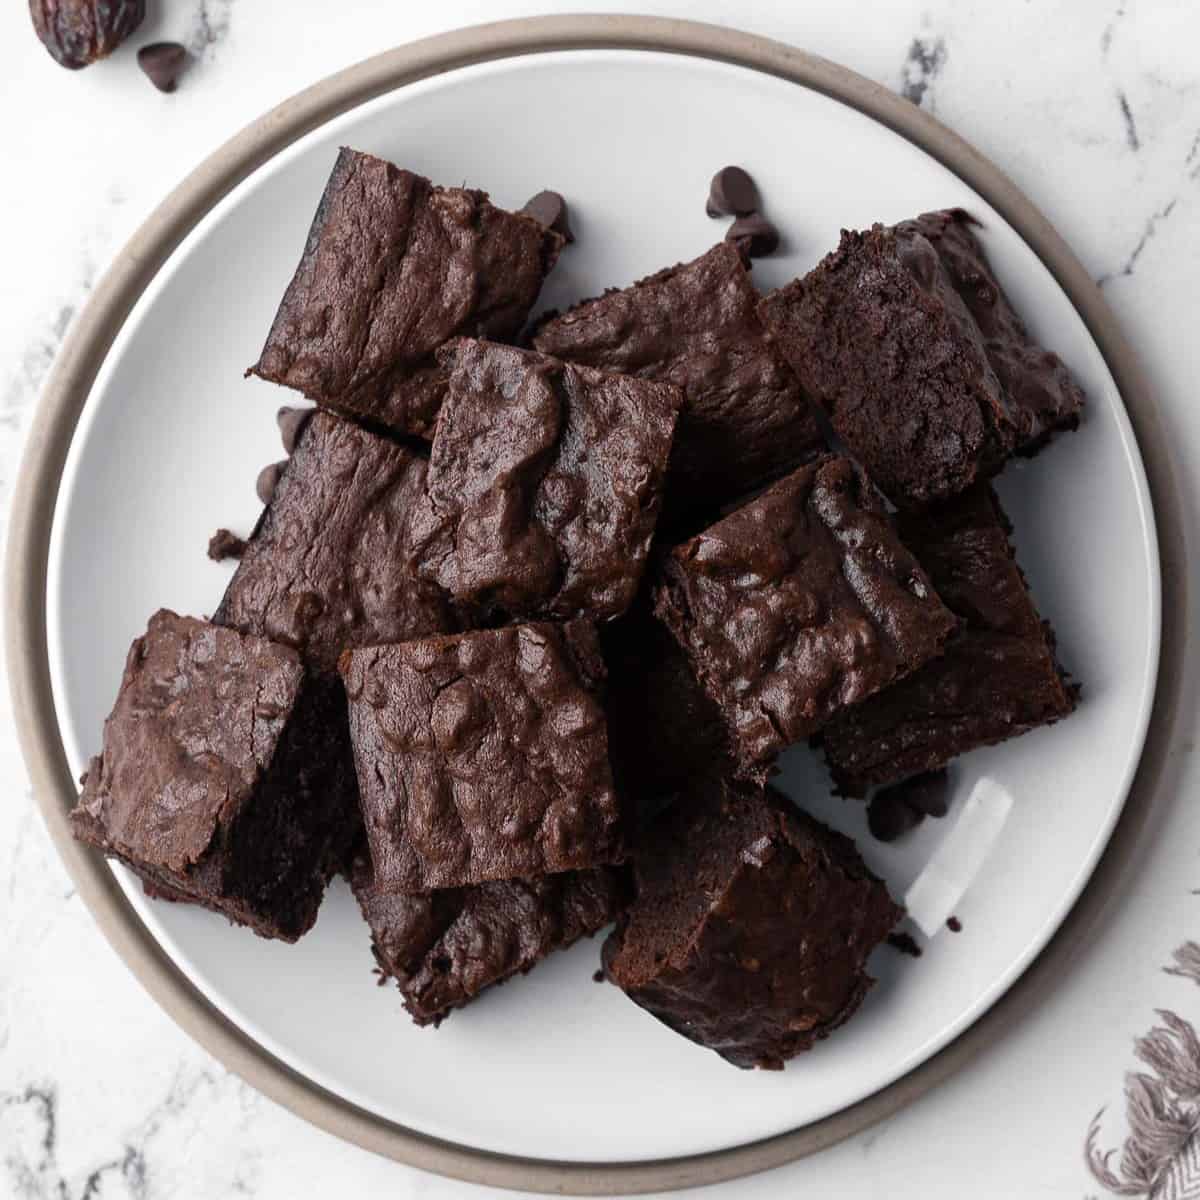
393	267
483	756
745	419
798	605
751	927
327	567
998	678
544	485
446	947
222	779
928	374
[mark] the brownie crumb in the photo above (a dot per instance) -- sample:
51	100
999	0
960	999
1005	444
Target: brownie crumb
223	544
954	925
598	975
905	943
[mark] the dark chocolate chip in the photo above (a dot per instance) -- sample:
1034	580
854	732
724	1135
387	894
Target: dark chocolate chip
929	794
291	422
550	209
223	545
889	817
163	63
954	925
597	976
268	481
731	194
756	235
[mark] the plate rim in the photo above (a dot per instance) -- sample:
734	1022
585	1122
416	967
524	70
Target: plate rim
54	424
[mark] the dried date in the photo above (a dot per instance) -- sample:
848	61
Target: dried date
78	32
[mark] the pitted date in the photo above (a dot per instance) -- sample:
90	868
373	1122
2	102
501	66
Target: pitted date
78	32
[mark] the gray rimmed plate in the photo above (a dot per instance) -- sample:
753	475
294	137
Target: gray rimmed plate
170	440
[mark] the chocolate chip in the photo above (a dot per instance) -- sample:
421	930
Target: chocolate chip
291	422
597	976
889	817
954	925
163	63
756	235
550	209
929	794
268	481
223	545
731	194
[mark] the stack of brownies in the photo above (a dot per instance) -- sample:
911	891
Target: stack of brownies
523	628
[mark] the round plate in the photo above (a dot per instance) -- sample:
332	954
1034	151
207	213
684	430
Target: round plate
171	439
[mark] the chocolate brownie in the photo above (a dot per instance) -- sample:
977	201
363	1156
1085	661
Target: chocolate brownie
664	731
745	419
544	484
483	756
797	605
327	567
998	678
446	947
393	267
222	779
751	927
928	374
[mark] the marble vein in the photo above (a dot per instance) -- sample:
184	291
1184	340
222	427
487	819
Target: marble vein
1131	133
1149	231
922	65
141	1162
210	26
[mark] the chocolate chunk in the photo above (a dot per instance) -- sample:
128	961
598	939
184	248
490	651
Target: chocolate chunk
905	943
223	544
550	209
756	236
268	481
291	422
954	925
731	194
889	816
163	63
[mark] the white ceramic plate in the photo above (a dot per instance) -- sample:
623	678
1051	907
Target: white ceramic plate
554	1066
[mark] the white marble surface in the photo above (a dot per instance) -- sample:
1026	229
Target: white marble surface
1094	109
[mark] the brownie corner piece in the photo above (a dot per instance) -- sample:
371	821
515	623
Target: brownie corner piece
544	484
444	948
222	780
393	267
751	926
696	324
484	755
798	605
999	676
926	371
